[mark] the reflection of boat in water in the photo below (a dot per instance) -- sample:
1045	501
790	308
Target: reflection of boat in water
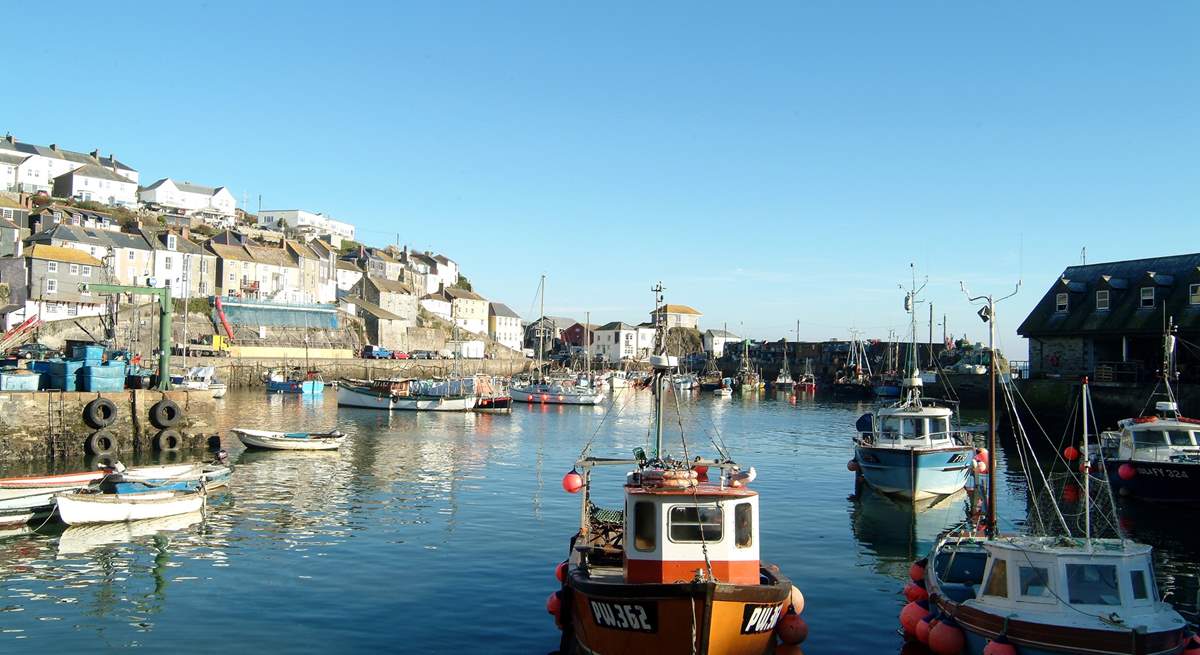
895	533
79	539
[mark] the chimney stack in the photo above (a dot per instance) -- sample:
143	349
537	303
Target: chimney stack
10	138
95	154
54	147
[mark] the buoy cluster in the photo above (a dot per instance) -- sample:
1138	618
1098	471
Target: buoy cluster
554	602
670	478
939	632
792	630
980	463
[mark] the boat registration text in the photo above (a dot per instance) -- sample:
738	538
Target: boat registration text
638	617
760	618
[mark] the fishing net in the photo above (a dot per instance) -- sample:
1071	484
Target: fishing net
1066	492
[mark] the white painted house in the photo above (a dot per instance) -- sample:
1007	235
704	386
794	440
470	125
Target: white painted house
32	168
308	223
715	340
215	205
96	183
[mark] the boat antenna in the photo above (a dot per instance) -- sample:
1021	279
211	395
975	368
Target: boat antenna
913	383
661	363
1168	365
988	314
542	326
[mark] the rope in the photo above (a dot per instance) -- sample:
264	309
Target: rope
612	402
695	497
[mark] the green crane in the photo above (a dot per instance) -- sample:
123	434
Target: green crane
165	308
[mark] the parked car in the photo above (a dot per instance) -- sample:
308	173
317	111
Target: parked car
33	351
376	352
399	355
422	354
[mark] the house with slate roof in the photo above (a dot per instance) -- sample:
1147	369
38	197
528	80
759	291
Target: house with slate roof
55	274
214	206
96	183
393	296
678	316
127	258
715	340
182	264
1106	320
504	325
30	168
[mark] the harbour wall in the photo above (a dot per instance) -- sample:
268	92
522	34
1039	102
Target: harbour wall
50	424
243	372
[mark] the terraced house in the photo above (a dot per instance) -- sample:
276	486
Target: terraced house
127	258
55	274
30	168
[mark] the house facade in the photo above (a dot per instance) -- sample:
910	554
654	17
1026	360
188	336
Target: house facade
127	258
678	316
715	340
468	310
394	297
348	275
616	342
34	167
304	222
1106	320
504	326
213	205
179	263
55	274
96	183
382	327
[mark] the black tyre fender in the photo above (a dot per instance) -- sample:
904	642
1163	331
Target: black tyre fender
100	413
101	443
168	441
165	414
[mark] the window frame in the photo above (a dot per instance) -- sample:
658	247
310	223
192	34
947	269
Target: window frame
50	286
1194	294
700	523
1072	598
988	586
1047	579
51	267
1143	297
639	525
1062	303
1103	307
748	541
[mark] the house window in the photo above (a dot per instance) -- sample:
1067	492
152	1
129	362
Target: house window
1194	294
1093	584
131	255
695	524
51	267
743	524
1060	302
1102	299
72	309
87	271
167	262
645	526
51	286
997	584
172	241
74	269
1147	298
203	265
203	288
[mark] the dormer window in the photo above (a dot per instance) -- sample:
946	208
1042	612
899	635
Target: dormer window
1102	300
1060	302
1147	301
1194	294
172	241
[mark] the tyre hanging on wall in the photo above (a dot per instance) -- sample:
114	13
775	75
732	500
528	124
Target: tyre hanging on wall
100	413
101	443
168	441
165	414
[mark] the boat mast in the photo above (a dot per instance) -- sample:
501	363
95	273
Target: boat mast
542	327
1168	367
587	343
660	372
1087	469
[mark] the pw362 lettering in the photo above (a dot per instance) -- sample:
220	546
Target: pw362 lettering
637	617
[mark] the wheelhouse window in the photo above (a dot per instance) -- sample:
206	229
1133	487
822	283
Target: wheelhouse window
743	524
1102	300
1137	579
1035	581
1093	584
1060	302
997	582
1180	438
695	524
1147	298
940	426
1148	439
645	526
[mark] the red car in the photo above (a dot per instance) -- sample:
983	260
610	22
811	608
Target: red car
399	355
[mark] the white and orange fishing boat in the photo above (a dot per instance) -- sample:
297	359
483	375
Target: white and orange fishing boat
678	570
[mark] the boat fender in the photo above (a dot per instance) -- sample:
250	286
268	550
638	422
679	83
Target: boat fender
852	466
917	570
572	482
792	629
911	614
1001	646
99	413
914	591
560	572
101	443
165	414
1126	471
108	463
1192	647
554	604
168	441
796	599
946	638
924	626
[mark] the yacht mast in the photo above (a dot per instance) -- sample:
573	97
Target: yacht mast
1087	469
661	365
542	327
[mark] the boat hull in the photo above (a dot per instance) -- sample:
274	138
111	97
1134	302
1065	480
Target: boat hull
548	398
916	474
1156	481
276	441
23	498
494	405
351	396
81	509
618	619
298	387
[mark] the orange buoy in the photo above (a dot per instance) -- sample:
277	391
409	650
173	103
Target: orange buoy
572	482
999	646
1071	453
946	638
1192	647
852	465
923	627
1126	471
560	572
917	570
911	614
554	604
792	629
797	599
915	591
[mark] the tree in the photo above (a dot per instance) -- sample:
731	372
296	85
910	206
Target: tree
462	283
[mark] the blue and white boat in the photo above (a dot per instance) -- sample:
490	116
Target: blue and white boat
177	477
295	382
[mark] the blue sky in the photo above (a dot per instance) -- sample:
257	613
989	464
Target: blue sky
768	162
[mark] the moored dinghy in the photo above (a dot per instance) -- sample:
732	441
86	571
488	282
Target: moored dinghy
23	498
290	440
89	506
678	571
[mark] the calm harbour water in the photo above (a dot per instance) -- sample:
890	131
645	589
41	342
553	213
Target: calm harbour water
431	532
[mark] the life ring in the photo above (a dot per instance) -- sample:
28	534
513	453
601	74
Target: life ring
168	441
165	414
100	413
101	443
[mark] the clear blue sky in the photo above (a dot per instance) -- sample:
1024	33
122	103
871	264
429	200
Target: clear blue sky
767	162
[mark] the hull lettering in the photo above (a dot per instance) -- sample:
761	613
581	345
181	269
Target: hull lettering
760	618
635	617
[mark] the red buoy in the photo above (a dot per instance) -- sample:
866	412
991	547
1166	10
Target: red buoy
923	627
917	570
572	482
1071	453
999	646
554	604
792	629
911	615
852	465
1192	647
560	572
915	591
946	638
1126	471
1070	493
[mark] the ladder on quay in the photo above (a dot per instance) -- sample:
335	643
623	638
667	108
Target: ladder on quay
56	428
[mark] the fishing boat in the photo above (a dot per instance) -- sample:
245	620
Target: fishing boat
808	381
295	382
24	498
408	394
541	391
270	440
683	381
678	571
911	448
725	390
784	381
489	399
93	506
854	381
747	379
1156	456
200	378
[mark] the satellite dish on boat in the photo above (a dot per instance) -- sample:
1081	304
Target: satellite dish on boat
1166	406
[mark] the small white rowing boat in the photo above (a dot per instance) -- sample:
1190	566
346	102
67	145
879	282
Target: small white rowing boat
290	440
82	508
23	498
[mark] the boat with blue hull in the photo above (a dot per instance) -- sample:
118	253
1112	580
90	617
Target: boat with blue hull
309	384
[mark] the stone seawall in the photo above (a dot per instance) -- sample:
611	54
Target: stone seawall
242	372
46	424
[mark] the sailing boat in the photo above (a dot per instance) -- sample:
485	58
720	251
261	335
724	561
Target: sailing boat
678	571
784	381
1156	456
1041	595
910	448
541	391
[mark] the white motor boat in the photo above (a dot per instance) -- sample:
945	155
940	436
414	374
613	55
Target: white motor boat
84	507
271	440
410	395
555	394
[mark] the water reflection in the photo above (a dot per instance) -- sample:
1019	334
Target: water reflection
895	533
